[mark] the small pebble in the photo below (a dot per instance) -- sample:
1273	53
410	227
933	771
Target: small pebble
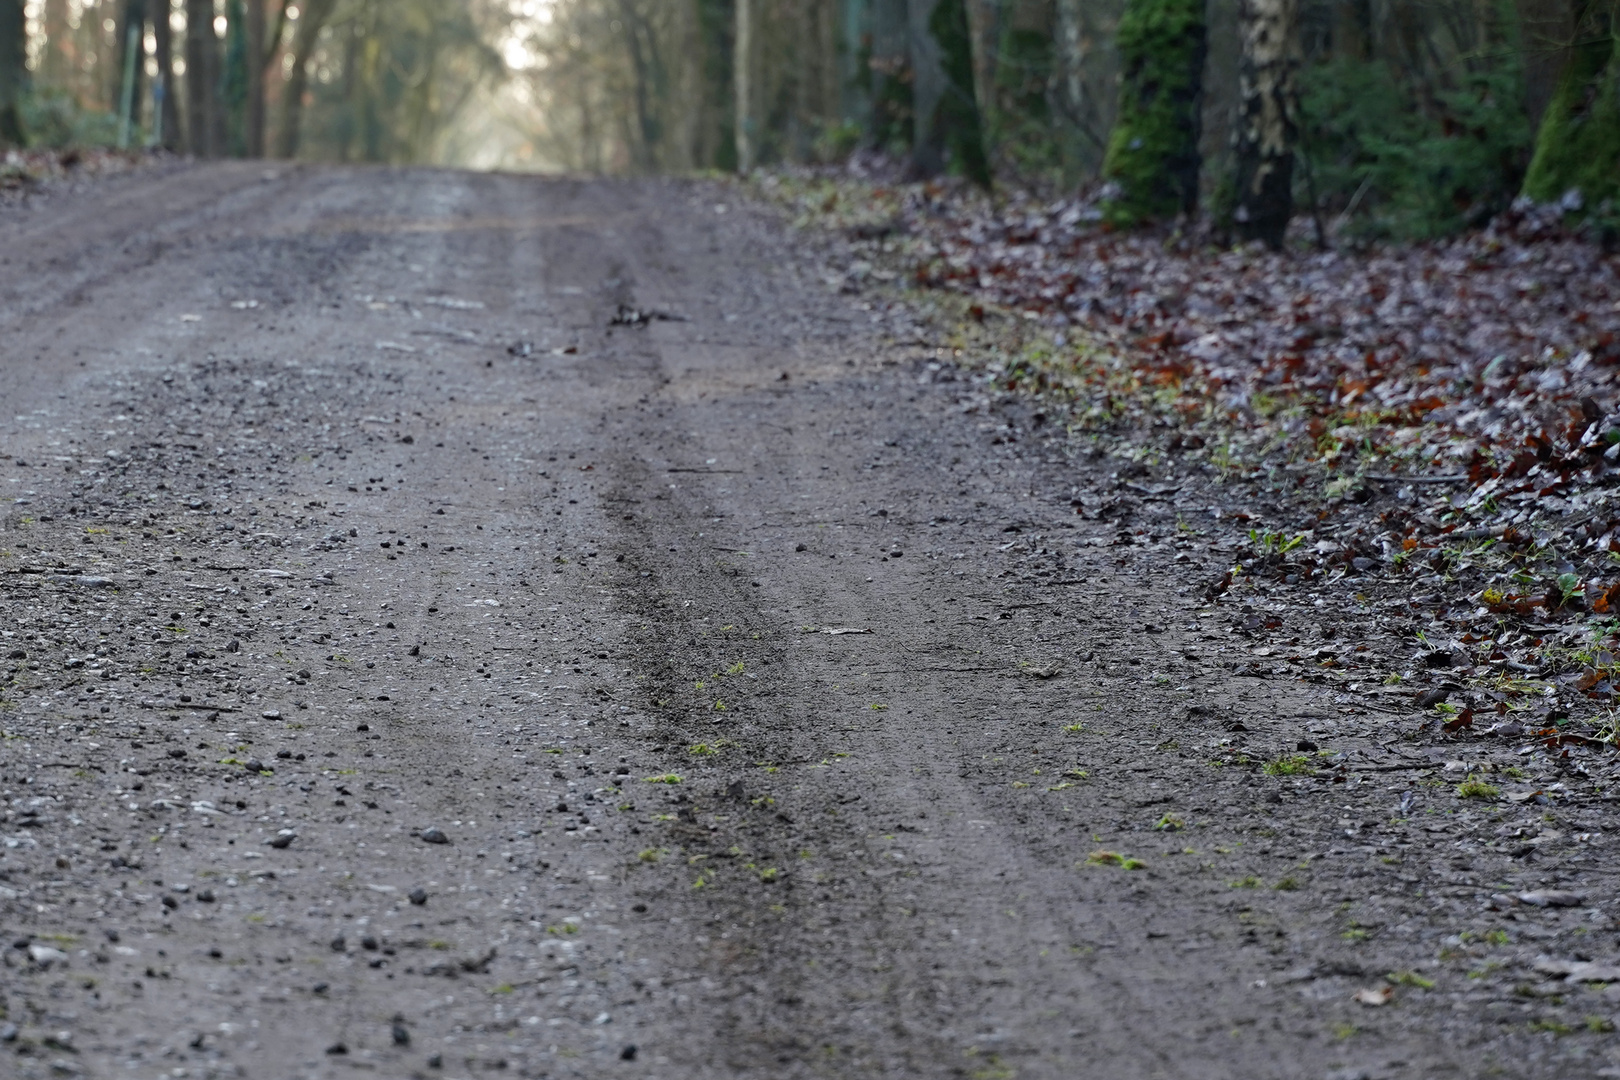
434	835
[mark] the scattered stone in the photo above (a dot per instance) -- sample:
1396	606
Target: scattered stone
402	1036
271	714
44	955
433	835
337	1049
282	839
338	944
1551	898
417	897
1375	996
629	1052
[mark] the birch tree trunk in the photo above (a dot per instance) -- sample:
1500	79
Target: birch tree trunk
743	85
13	61
1266	128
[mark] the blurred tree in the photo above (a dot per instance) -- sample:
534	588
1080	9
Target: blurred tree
204	115
891	77
956	125
166	99
742	67
927	89
234	80
13	71
307	29
258	54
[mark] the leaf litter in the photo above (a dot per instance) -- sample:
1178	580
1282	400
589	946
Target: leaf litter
1436	426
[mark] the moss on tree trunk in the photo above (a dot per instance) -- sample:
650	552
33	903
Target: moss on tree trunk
1578	146
1153	158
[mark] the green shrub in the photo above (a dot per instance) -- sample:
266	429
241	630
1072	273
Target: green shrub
54	119
1406	172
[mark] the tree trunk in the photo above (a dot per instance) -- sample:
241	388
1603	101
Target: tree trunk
927	90
202	79
131	16
743	85
234	82
645	149
255	33
956	119
1071	55
166	102
984	28
1153	159
1577	155
890	63
305	36
13	69
1266	128
1544	33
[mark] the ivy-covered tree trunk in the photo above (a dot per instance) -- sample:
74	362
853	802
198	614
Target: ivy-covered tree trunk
1267	125
13	67
1578	146
1153	157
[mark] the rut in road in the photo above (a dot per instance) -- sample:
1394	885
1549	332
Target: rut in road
344	512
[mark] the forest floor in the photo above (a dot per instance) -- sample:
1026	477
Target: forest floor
768	683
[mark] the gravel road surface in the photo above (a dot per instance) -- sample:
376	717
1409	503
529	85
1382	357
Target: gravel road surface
459	623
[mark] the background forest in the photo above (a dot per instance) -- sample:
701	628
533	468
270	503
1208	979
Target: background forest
1400	118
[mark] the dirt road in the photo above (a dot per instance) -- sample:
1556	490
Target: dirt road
467	623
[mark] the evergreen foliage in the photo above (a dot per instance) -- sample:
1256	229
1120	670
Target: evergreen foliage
1394	169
